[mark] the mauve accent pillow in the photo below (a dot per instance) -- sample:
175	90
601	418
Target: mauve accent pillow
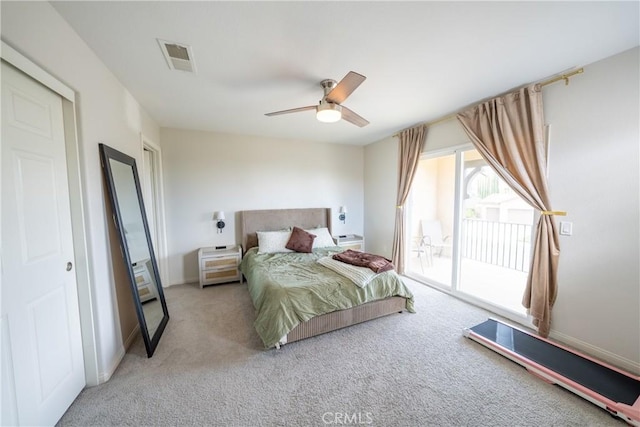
300	240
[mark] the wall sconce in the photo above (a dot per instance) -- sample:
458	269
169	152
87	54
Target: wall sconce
218	216
342	217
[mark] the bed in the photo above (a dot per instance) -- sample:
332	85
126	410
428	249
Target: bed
296	297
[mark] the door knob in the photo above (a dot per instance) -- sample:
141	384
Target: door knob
69	266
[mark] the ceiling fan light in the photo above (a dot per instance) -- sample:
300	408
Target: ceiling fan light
329	112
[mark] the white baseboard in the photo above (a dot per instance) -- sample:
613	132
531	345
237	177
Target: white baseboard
597	352
103	377
186	281
135	333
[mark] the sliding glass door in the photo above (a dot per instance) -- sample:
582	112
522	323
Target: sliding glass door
469	232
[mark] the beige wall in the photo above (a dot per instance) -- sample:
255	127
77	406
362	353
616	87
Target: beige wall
424	198
207	172
594	175
380	189
446	193
106	113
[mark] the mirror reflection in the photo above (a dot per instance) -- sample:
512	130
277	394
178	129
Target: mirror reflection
124	187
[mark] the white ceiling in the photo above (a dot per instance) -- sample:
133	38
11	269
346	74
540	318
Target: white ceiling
422	60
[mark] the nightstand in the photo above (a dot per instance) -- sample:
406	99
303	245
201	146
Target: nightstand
146	289
350	241
219	265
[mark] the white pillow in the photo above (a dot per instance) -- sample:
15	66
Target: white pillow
323	238
273	241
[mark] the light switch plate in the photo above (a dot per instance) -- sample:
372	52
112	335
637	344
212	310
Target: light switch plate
566	228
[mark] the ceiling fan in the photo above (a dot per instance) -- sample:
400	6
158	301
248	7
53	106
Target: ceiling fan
330	108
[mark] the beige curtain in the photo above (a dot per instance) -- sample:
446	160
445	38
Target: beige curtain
509	133
409	150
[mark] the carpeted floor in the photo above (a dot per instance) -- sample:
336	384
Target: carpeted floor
402	370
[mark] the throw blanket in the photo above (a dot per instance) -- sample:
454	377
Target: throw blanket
376	263
361	276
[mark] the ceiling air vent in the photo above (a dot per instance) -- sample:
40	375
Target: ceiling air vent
178	56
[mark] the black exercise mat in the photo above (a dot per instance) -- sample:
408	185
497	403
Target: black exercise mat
606	382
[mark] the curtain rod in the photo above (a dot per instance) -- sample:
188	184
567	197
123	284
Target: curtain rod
448	117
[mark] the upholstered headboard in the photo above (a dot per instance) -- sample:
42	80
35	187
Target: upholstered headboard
278	219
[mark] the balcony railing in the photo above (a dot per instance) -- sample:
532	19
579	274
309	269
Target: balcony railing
499	243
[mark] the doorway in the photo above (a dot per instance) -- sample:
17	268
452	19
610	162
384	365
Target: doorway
470	234
153	196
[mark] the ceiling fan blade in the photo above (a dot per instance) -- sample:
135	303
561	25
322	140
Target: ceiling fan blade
347	85
293	110
354	118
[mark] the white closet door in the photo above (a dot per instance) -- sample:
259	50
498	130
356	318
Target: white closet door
41	342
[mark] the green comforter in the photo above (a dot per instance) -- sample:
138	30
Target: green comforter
290	288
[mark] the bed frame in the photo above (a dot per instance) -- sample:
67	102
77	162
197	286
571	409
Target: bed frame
278	219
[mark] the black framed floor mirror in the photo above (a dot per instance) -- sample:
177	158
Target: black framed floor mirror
125	194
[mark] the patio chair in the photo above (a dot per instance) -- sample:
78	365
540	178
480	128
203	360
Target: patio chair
423	251
432	238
